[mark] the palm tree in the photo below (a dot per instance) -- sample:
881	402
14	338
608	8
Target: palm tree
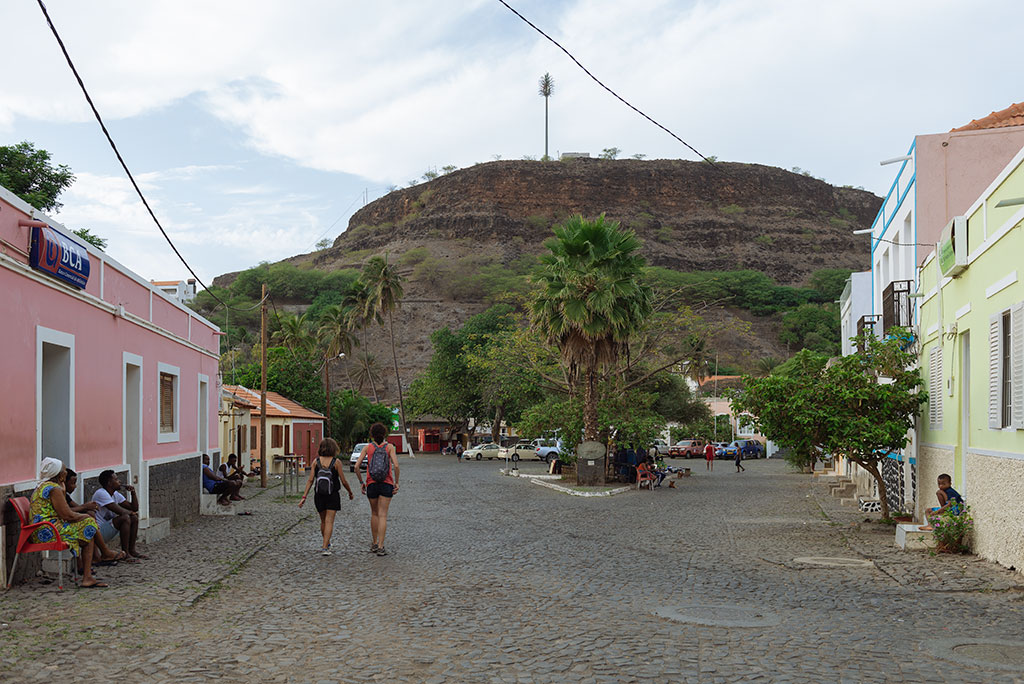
385	286
294	332
767	365
591	301
368	373
335	332
698	360
355	303
547	86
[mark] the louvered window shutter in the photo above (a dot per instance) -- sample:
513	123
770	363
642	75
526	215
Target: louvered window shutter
935	388
995	372
166	402
1017	365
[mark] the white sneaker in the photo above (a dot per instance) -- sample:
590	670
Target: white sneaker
326	552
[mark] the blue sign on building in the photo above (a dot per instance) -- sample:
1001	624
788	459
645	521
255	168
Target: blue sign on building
58	255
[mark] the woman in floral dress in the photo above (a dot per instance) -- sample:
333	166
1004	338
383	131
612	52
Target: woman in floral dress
77	530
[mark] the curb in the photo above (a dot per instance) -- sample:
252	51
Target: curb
573	492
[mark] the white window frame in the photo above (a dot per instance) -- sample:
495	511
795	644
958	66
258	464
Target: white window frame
167	437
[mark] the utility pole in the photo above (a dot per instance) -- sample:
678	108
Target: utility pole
327	391
263	389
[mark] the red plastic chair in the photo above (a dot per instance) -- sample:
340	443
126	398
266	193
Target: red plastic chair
21	506
644	477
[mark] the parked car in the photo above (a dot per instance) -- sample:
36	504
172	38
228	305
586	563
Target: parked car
749	448
489	451
720	449
356	450
662	447
518	451
546	449
687	448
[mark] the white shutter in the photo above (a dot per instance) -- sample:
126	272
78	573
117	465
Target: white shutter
995	372
935	388
1017	365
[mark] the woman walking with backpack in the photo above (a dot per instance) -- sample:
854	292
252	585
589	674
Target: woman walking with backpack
326	478
381	482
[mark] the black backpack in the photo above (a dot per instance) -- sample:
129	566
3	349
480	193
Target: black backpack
380	463
324	481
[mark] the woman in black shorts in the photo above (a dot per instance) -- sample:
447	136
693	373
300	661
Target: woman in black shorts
379	486
325	477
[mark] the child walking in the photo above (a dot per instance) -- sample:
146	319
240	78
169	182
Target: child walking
327	478
381	483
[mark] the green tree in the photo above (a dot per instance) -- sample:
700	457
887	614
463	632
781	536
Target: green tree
335	334
697	359
352	414
294	332
445	388
29	174
90	237
591	301
610	153
288	374
358	306
812	327
545	88
829	283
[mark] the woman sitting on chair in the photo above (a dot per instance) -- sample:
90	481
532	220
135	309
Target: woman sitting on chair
77	530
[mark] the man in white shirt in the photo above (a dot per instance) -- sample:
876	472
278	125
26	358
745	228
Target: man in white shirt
116	513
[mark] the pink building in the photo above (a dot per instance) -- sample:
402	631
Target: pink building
99	369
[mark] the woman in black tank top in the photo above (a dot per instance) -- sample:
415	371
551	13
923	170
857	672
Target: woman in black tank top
326	472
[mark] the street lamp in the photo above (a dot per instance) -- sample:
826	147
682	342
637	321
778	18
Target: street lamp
327	392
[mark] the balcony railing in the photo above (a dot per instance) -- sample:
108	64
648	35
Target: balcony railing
896	305
867	324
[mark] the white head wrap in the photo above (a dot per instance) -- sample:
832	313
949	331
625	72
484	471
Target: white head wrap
50	468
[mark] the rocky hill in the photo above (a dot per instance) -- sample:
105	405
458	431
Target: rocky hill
468	236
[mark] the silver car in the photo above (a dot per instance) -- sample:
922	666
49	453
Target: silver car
356	450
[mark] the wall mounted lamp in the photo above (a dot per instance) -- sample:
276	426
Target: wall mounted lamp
1012	202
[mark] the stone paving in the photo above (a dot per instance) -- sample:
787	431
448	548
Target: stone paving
492	579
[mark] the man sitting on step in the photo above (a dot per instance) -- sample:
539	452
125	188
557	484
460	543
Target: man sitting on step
225	489
117	514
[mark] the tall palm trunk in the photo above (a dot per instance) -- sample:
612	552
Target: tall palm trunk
398	381
590	407
366	365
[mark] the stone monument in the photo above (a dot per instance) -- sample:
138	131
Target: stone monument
590	463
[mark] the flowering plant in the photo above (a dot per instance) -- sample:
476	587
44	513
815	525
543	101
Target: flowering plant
951	526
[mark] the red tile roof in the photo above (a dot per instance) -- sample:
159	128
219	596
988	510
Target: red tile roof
277	405
1011	116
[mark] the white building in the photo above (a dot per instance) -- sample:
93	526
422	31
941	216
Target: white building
855	308
182	290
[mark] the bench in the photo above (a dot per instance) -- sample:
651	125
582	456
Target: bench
208	505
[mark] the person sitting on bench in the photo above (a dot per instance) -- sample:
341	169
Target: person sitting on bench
232	470
90	508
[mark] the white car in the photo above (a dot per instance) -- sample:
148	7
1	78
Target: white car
488	451
356	450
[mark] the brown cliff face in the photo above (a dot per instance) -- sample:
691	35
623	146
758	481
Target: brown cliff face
691	216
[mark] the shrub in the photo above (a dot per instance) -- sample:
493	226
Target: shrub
951	527
732	209
765	240
414	256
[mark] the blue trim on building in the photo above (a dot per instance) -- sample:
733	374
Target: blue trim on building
897	456
887	223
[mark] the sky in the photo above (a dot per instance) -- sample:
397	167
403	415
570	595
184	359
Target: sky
257	128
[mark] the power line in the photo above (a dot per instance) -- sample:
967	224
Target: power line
117	153
598	81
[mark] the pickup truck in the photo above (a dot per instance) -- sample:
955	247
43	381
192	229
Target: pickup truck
546	450
687	448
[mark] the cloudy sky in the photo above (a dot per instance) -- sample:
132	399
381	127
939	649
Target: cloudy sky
258	127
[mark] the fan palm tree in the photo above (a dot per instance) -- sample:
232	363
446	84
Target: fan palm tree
368	372
767	365
385	286
591	301
546	87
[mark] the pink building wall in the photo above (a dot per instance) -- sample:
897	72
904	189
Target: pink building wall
101	336
953	169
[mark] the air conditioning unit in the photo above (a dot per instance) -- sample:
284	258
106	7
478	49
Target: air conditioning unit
952	248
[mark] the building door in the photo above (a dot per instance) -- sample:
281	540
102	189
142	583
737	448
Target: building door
287	439
131	434
55	396
203	430
965	406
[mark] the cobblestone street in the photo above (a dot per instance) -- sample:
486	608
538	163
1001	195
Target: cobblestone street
494	579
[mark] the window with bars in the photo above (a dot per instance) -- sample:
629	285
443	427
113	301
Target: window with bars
168	390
